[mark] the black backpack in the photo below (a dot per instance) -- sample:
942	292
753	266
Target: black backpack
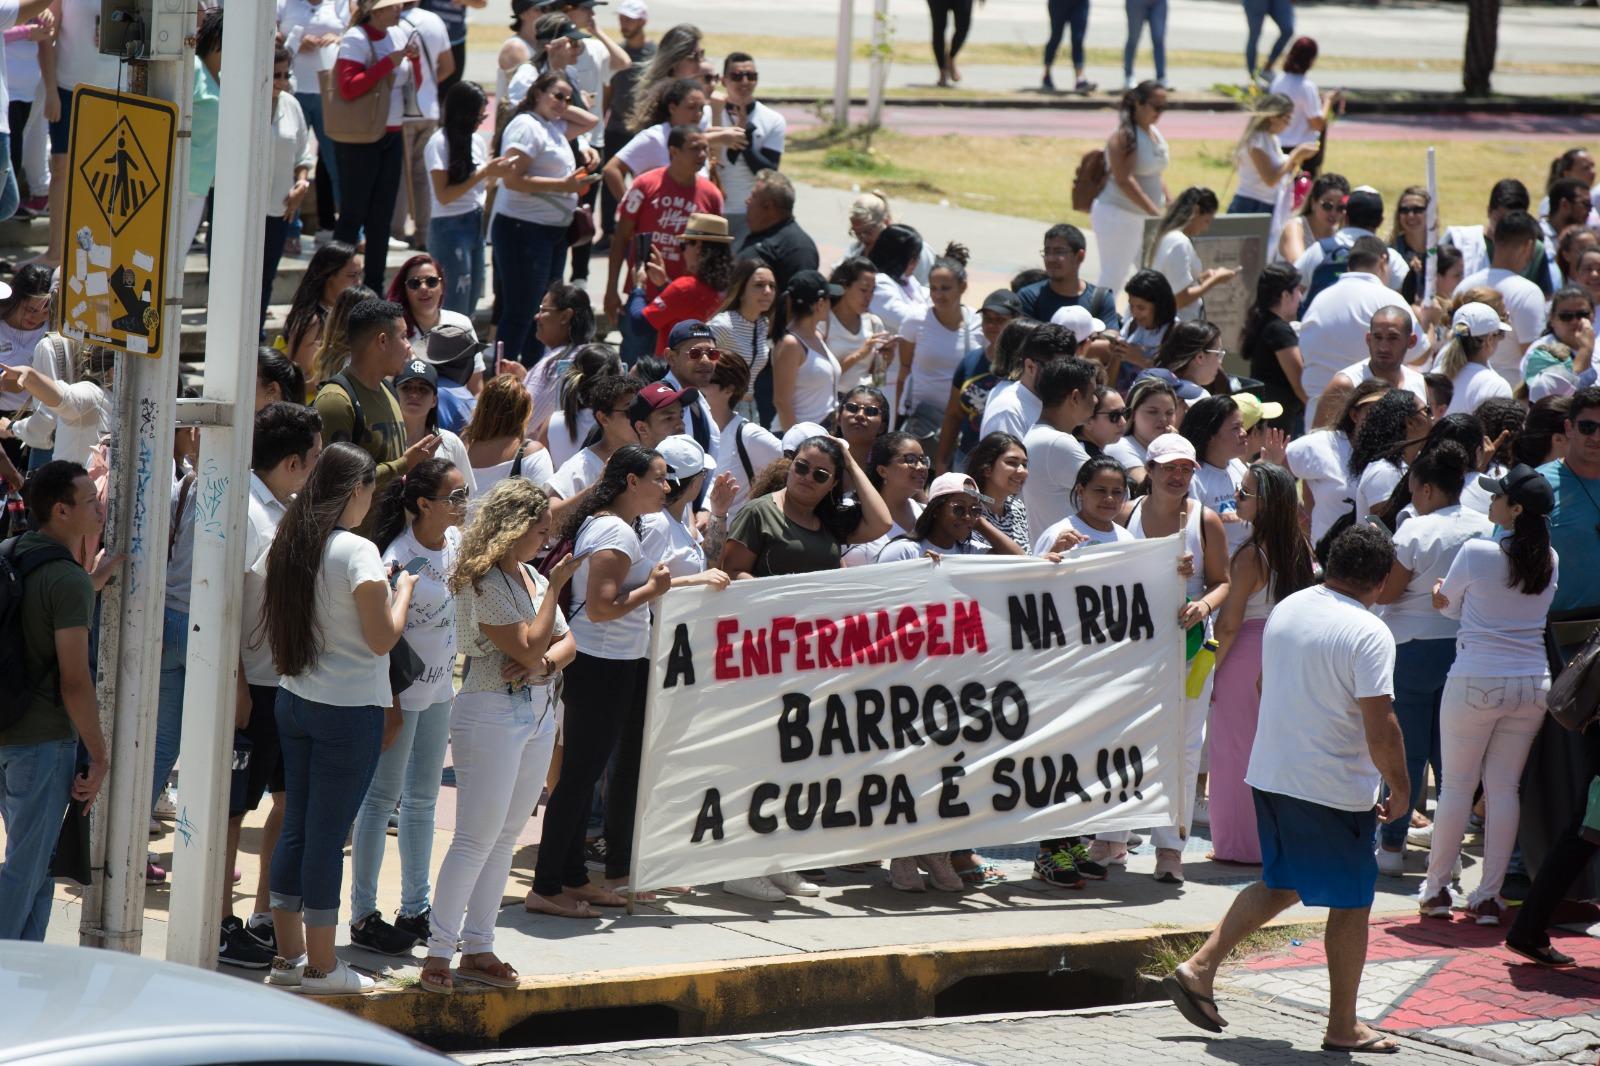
14	569
358	426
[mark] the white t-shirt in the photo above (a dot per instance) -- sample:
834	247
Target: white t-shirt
1334	332
1047	539
648	150
1410	380
902	550
1307	105
1053	461
292	148
82	418
576	474
936	352
436	156
1502	628
1475	384
864	554
17	348
1474	497
1250	183
431	619
1427	545
1376	482
1128	451
544	145
675	542
844	341
1321	652
1218	488
627	637
22	69
766	128
563	445
1526	310
261	525
535	466
298	19
1322	460
1180	264
761	446
434	40
346	673
1010	408
78	58
590	75
356	45
894	301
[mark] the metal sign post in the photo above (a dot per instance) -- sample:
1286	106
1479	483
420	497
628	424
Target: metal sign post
222	490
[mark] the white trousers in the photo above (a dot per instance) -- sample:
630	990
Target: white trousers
1118	240
500	745
1486	728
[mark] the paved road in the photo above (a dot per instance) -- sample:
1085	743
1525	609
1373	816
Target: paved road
1145	1035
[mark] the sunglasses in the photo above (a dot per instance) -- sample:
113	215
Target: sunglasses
1587	427
1573	316
456	498
820	474
742	75
871	410
431	281
964	510
1119	415
915	462
1330	205
283	76
710	355
562	98
1412	211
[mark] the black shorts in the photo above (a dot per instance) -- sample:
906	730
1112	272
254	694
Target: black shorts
266	758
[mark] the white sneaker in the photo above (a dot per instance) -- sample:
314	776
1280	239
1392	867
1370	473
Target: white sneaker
343	981
324	236
1391	863
1420	836
1129	83
794	885
167	805
761	888
1202	811
287	973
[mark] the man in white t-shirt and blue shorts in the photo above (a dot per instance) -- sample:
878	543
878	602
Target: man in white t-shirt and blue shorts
1327	738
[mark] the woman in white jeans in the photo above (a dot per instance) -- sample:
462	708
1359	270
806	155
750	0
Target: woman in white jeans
1494	698
1136	159
503	726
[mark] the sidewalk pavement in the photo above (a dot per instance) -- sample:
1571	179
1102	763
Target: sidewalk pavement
1152	1034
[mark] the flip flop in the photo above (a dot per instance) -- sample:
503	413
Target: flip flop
616	900
579	909
1366	1047
1188	1003
982	874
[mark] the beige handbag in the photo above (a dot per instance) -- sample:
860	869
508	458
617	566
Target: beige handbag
362	120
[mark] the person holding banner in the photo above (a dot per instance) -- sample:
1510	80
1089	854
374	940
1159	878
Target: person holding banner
898	469
1097	499
605	686
1326	740
946	527
1203	564
671	535
999	464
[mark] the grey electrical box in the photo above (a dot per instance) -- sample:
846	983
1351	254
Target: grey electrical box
145	29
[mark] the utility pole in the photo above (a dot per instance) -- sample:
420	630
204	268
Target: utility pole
161	65
841	66
225	417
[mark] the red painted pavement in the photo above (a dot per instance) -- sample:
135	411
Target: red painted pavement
1476	980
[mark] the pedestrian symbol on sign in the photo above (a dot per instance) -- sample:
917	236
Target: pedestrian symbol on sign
120	176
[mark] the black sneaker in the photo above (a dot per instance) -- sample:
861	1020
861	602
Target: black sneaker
1516	887
414	924
238	948
594	854
1057	868
375	934
263	934
1094	871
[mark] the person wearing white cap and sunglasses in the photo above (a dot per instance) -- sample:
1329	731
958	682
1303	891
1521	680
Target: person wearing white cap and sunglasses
671	535
1203	564
1475	332
946	525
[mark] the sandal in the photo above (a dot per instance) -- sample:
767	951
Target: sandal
596	896
984	873
438	979
497	974
537	904
1378	1045
1189	1003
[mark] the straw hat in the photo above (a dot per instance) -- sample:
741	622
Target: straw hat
704	227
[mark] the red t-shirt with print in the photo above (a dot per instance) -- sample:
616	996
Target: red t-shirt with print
661	207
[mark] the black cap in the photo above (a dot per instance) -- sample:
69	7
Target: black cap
417	370
568	29
1524	486
809	286
1003	302
452	349
690	329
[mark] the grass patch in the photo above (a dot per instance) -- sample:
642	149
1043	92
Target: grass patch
1030	177
1171	951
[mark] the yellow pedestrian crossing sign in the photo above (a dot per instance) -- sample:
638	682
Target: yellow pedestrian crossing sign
119	206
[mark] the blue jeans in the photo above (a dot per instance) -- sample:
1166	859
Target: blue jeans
1257	12
10	195
528	257
277	231
457	242
1139	12
1420	669
408	771
1062	14
35	788
169	698
638	338
328	757
1247	205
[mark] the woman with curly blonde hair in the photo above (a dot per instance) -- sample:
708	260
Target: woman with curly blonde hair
503	726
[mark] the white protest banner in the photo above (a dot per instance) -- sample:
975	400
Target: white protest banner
906	708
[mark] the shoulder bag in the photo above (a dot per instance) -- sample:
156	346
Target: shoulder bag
363	120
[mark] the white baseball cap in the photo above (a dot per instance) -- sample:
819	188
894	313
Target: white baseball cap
1556	381
1477	320
685	458
799	433
633	9
1078	319
1169	447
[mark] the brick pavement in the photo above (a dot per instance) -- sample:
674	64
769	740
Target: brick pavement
1259	1034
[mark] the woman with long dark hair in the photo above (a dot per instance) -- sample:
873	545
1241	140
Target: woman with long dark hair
1215	427
1320	217
334	267
998	465
1193	352
460	171
853	328
605	686
805	372
1151	311
743	328
863	417
331	621
1395	426
563	435
418	529
1152	410
1172	252
1463	430
1098	493
1271	346
564	324
898	469
1544	435
539	195
419	287
277	379
1566	349
897	295
1136	162
1494	701
1276	561
698	292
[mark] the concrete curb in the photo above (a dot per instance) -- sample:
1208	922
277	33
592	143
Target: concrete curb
771	993
1355	105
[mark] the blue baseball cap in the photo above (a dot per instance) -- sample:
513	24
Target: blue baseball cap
690	329
1187	390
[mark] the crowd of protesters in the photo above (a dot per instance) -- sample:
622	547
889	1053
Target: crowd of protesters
453	548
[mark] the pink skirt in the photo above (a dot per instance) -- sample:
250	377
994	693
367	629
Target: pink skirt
1235	705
